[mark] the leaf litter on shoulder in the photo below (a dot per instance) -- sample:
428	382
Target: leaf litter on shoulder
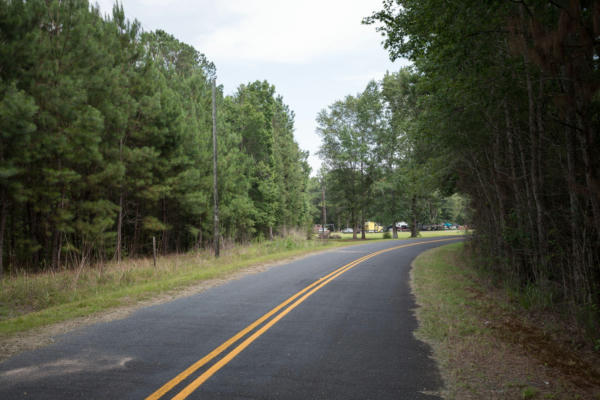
489	348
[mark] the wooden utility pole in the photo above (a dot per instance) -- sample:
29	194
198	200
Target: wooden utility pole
215	181
323	210
154	250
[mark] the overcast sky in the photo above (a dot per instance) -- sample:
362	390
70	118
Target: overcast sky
314	51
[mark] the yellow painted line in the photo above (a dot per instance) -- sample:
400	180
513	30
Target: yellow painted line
312	288
198	364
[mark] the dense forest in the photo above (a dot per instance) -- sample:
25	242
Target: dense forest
106	142
507	96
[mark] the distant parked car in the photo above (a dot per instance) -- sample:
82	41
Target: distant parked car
348	230
399	227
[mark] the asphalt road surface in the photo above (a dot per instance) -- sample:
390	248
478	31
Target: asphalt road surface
336	325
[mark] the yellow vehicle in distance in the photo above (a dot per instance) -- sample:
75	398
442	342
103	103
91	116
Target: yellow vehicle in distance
371	226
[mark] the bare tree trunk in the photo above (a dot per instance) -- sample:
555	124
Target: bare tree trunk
363	235
514	184
495	175
413	210
154	250
585	139
164	235
199	240
120	216
527	187
55	245
3	213
576	261
57	240
354	225
488	196
394	228
134	241
540	253
119	230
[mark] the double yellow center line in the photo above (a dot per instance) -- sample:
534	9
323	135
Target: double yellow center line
296	300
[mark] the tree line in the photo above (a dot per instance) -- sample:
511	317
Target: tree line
508	95
377	166
106	142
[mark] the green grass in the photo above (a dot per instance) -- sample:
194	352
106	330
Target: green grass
443	293
29	301
485	342
403	235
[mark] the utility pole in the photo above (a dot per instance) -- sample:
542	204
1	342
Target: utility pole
154	250
215	190
323	210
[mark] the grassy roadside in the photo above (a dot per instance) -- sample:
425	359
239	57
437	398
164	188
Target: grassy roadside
487	345
406	235
29	301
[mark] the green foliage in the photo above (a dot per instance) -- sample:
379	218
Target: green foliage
106	142
529	392
508	106
378	159
348	130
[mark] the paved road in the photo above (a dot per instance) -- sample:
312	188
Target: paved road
346	335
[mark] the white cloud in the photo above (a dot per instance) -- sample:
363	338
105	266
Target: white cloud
289	31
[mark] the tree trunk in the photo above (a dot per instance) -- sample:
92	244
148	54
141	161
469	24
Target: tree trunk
394	228
514	184
540	253
354	225
119	230
593	188
120	216
3	213
199	240
413	211
136	233
55	247
571	177
363	235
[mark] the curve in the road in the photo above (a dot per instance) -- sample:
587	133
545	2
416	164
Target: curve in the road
275	314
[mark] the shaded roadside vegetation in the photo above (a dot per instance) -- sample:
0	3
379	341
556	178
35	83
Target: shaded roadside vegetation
106	142
495	343
507	96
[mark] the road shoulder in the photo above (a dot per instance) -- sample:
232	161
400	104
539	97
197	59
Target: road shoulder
43	336
487	347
